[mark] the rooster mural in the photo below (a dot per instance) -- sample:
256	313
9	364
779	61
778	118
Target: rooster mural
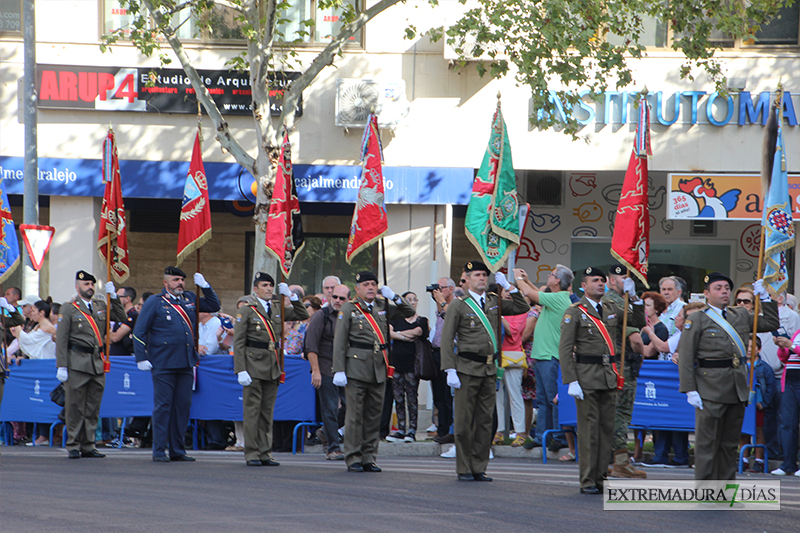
699	199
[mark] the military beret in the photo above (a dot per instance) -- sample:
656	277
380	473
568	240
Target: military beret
174	271
361	277
618	270
593	271
263	276
476	266
82	275
717	276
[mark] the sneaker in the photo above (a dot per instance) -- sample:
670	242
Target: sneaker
320	434
449	454
554	446
431	429
410	438
519	441
779	472
797	474
335	455
653	464
395	437
491	453
673	464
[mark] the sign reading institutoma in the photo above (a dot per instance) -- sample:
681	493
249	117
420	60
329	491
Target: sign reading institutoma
152	90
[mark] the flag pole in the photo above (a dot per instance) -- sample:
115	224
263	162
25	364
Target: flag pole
106	360
624	333
280	342
383	259
3	340
197	308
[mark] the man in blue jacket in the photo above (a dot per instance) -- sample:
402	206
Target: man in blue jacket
164	343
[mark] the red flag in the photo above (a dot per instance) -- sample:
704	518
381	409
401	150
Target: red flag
195	228
630	243
369	218
113	229
284	226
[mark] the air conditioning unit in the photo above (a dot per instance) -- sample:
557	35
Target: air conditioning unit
357	98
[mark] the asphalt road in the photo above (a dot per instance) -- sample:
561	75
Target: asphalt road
41	491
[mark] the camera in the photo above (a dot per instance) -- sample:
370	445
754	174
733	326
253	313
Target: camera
431	288
226	322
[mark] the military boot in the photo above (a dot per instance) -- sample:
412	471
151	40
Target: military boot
623	468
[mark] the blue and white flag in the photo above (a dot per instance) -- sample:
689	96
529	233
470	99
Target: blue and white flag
9	246
777	219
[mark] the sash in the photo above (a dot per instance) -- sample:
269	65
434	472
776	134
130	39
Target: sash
483	318
181	312
272	341
381	339
724	324
96	330
606	337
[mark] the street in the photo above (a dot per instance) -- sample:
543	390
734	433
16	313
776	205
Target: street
43	491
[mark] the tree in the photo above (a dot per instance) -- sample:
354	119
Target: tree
559	43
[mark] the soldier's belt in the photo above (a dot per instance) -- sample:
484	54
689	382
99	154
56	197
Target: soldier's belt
82	349
262	345
596	359
367	346
472	356
719	363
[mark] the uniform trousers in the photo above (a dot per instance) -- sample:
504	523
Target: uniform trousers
595	435
716	439
473	410
363	420
83	394
258	404
172	399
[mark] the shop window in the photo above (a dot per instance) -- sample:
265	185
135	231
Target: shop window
783	30
143	218
654	34
541	187
11	18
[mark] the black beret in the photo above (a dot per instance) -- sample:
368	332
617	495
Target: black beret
476	266
593	271
82	275
361	277
174	271
618	270
263	276
717	276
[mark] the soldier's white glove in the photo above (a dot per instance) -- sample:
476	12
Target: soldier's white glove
200	281
5	305
144	365
629	286
61	374
111	290
388	293
283	290
760	291
340	379
452	378
575	390
244	378
694	399
501	280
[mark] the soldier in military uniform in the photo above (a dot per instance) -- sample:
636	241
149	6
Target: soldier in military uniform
360	364
11	318
80	341
619	282
256	336
472	370
714	376
164	343
589	365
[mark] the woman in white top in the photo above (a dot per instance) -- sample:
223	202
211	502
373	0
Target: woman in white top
39	342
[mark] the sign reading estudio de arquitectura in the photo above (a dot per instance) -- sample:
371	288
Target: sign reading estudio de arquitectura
126	89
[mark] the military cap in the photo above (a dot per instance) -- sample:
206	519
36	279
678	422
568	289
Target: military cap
174	271
618	270
717	276
593	271
263	276
476	266
361	277
82	275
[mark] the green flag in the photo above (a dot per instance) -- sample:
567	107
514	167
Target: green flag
492	222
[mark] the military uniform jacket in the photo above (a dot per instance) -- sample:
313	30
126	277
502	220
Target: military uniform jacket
352	327
261	363
162	337
702	338
74	330
463	322
579	335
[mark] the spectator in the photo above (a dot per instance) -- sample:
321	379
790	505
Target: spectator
122	332
789	353
328	284
442	397
312	304
744	297
404	333
528	379
545	344
12	296
765	385
791	302
142	300
210	333
671	289
654	306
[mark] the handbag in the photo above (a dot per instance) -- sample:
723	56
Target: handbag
58	395
511	359
424	363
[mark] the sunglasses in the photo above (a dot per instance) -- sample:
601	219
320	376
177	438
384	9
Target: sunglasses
342	298
307	305
741	301
463	281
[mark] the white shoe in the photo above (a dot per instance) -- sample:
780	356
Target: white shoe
491	454
449	454
779	472
431	429
797	474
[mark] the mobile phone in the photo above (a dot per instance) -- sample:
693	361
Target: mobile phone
226	322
